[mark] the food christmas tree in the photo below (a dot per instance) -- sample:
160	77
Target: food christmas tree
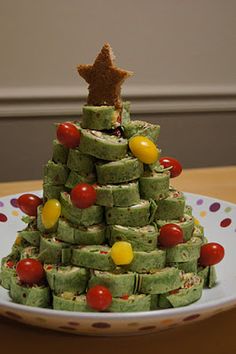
111	233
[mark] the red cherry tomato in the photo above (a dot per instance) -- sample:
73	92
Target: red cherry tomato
30	271
83	195
68	135
29	203
211	253
171	162
170	235
99	298
10	264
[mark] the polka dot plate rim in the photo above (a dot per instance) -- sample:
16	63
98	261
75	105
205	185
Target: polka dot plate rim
210	212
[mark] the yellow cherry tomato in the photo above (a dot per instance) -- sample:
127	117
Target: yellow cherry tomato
18	240
50	213
122	253
144	149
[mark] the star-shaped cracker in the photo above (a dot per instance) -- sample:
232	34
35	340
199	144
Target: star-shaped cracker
104	79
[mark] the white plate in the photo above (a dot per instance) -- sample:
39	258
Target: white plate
219	220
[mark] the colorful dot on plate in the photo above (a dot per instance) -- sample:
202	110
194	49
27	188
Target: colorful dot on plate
40	319
203	214
15	213
3	217
101	325
1	204
133	324
214	207
226	222
147	328
167	321
14	203
13	315
192	317
199	202
196	221
228	209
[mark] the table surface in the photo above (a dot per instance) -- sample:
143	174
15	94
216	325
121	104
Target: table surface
214	335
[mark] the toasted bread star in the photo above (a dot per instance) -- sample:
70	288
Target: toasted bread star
104	79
